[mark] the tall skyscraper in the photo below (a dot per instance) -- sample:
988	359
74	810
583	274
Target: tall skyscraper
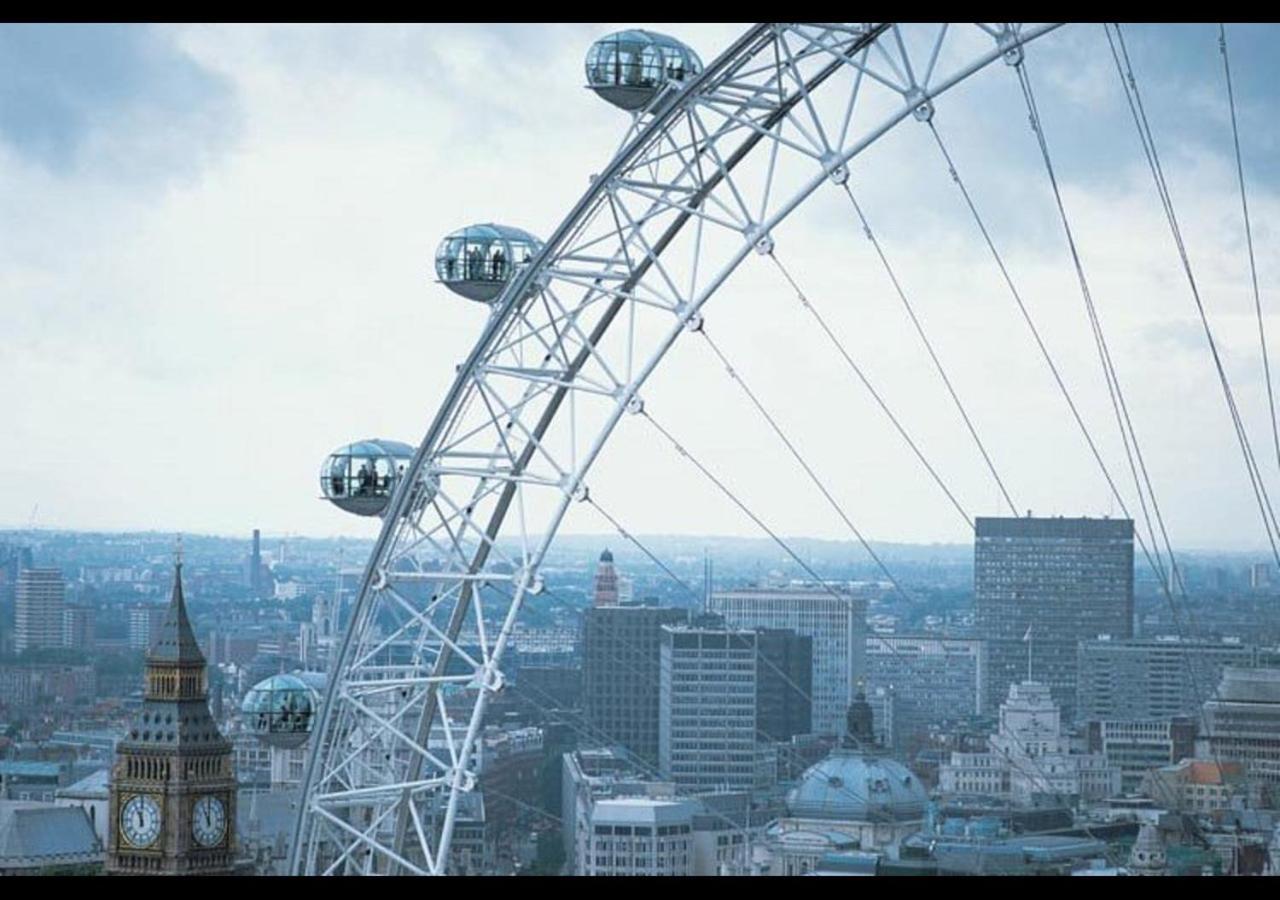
707	708
40	598
835	619
606	586
620	662
1043	585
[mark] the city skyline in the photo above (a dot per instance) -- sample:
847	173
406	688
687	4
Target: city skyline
268	295
639	449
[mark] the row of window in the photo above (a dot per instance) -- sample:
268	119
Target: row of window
641	829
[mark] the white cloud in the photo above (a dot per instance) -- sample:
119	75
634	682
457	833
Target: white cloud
183	357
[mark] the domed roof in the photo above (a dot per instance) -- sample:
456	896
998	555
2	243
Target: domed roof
606	556
849	786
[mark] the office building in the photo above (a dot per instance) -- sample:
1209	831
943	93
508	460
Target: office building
1143	680
1138	747
620	661
932	680
78	627
707	708
145	621
639	836
1043	585
39	601
1242	724
784	684
835	620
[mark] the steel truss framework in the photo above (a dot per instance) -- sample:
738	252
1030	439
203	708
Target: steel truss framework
697	185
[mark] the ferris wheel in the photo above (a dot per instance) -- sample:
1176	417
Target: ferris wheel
713	159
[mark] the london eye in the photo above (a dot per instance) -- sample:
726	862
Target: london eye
714	158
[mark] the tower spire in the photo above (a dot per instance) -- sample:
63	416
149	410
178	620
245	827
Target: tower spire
176	641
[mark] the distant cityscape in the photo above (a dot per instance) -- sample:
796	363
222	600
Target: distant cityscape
1025	705
215	231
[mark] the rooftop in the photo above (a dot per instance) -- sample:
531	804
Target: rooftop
33	835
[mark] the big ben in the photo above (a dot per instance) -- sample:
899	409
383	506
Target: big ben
173	788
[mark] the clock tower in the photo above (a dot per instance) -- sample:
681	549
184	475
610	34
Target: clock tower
173	789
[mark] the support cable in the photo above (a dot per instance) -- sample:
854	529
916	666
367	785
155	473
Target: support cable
1044	350
1142	544
724	489
857	370
928	345
1248	234
1124	422
1145	135
803	464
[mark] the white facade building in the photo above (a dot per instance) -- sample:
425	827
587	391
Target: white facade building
1030	756
38	606
707	708
639	836
837	623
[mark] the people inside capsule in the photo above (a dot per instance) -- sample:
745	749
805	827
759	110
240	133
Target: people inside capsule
630	68
361	477
478	261
280	710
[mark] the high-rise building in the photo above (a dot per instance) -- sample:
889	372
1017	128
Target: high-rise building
933	680
784	684
836	621
145	621
1043	585
1242	724
1260	576
707	708
1152	679
605	592
173	786
78	627
13	559
620	662
39	602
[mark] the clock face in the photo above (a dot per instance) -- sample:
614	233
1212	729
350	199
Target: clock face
140	820
208	821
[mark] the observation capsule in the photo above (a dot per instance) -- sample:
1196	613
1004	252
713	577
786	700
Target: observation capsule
281	710
631	68
479	260
361	477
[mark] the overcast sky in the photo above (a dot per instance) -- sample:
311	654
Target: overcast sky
215	247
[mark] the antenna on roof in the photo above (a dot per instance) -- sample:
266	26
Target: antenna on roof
177	551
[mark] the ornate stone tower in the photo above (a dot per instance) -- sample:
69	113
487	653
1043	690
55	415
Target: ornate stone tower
173	789
606	586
